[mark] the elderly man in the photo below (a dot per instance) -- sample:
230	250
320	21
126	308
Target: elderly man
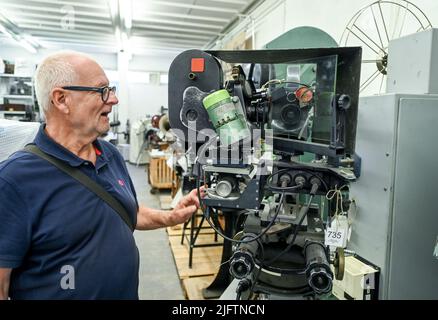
58	239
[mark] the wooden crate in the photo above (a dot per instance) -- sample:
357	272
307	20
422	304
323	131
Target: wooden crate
160	175
165	202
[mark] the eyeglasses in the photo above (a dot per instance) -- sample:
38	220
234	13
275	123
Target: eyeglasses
104	91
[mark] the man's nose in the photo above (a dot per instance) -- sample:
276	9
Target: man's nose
112	99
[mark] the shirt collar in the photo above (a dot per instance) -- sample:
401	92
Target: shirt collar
49	146
104	156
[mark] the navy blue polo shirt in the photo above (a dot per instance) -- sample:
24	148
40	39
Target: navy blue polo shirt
61	240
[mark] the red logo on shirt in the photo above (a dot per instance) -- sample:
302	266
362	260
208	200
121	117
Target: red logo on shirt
121	182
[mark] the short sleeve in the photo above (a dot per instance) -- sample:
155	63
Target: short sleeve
14	226
131	184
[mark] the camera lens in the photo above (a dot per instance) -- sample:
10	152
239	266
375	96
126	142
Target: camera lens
291	114
320	280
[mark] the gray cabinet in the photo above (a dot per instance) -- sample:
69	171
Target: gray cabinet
396	226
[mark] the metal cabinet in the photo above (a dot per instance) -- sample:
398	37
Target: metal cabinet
396	225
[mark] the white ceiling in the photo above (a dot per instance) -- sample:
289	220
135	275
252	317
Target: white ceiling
172	24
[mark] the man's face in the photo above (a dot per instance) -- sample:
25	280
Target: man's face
88	112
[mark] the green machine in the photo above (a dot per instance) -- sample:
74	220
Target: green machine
306	73
226	116
303	38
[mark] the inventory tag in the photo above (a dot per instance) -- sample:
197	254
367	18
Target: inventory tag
336	234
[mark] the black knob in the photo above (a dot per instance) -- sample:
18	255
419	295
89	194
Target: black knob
344	101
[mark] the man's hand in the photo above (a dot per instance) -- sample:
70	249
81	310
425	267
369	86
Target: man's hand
5	275
186	207
148	218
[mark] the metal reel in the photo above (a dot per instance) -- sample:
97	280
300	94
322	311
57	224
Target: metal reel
372	28
339	263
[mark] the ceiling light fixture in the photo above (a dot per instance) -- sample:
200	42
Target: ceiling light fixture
127	13
121	16
9	29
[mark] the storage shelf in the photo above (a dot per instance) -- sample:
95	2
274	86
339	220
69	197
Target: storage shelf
8	75
12	112
16	96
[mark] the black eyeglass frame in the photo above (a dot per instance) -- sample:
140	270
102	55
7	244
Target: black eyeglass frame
100	90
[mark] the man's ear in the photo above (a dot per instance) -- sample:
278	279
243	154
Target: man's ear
58	99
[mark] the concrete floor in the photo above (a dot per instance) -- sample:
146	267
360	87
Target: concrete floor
158	275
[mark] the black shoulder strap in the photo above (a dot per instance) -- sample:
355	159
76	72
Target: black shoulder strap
85	180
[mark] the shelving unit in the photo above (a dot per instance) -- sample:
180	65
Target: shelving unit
13	115
8	75
17	96
14	112
12	101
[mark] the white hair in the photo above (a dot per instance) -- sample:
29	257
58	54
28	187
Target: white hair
54	71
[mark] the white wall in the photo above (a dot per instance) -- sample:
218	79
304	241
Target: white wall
140	100
329	15
146	99
274	17
152	62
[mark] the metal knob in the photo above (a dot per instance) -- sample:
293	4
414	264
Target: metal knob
240	268
224	188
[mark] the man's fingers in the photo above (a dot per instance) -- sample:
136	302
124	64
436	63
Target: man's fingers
202	192
181	215
196	201
192	198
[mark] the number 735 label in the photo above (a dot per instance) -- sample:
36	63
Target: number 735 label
336	234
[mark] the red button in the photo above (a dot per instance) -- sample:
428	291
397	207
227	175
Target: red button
198	64
98	152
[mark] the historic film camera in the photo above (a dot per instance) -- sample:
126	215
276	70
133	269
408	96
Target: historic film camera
270	134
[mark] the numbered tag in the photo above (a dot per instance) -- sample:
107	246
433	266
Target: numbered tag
336	234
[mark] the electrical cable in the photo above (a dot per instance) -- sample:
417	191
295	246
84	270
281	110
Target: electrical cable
295	232
205	146
219	232
215	220
281	81
261	264
239	217
280	189
308	170
310	115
